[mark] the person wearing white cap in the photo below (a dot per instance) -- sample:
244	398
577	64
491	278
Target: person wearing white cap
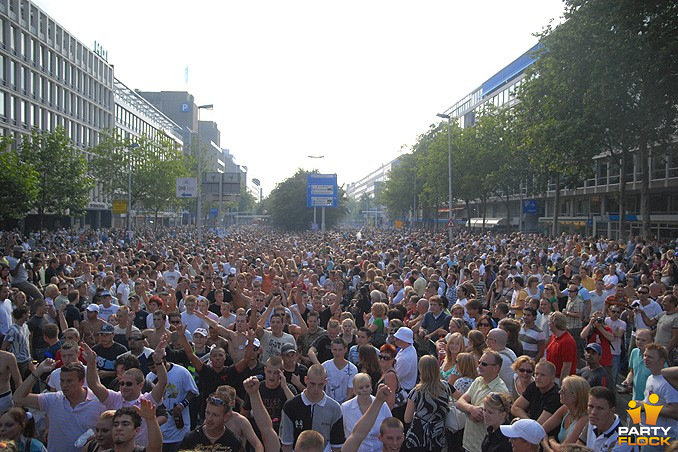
525	435
406	358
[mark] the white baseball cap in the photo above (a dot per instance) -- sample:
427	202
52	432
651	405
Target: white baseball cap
528	429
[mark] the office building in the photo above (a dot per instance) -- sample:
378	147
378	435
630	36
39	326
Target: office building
367	188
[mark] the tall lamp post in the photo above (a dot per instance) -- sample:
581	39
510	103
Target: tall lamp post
129	188
198	220
449	169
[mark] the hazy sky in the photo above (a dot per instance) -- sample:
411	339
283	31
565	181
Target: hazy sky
355	81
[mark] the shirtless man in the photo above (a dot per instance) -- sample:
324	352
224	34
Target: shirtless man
236	422
236	339
154	335
91	325
8	368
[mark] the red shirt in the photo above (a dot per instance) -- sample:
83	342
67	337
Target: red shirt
561	350
606	359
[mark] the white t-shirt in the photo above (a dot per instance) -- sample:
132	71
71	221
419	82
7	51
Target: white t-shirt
351	414
616	343
610	279
651	311
105	313
123	292
598	301
179	384
192	322
657	384
171	278
339	380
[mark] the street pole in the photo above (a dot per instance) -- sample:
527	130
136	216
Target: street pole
322	214
129	188
449	170
198	220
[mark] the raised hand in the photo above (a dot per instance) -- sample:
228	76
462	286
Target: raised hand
383	392
251	385
89	354
147	409
47	365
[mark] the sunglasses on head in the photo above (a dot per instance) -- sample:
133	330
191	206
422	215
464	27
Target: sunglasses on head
497	398
216	401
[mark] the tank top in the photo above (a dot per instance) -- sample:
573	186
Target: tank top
562	434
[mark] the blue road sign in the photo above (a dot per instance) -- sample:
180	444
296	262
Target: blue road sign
214	212
529	206
321	190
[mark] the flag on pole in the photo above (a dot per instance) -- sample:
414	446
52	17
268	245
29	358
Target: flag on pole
186	75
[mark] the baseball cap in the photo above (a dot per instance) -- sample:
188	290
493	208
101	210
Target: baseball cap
404	334
595	347
527	429
18	249
200	331
93	308
288	348
105	293
79	284
107	329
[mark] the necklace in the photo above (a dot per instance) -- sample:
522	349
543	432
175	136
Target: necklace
212	438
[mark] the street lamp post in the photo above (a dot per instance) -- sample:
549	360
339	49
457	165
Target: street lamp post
198	213
129	188
449	169
314	208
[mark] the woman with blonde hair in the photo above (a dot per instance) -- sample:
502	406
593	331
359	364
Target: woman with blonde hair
573	414
496	412
524	375
427	406
448	369
467	365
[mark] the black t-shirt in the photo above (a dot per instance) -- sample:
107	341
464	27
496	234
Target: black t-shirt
273	399
35	326
106	358
595	377
140	319
550	401
238	379
228	297
325	316
211	379
196	440
71	314
323	346
300	370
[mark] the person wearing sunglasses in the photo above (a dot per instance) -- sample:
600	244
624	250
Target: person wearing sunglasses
471	402
524	375
572	417
541	399
647	305
213	434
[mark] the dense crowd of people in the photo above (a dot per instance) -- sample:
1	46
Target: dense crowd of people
353	341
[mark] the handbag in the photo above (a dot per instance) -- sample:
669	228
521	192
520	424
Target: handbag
455	420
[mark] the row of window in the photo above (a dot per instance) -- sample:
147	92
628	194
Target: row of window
126	119
23	77
28	41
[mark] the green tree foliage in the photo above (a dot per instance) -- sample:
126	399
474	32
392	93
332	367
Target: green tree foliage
19	182
287	205
63	183
247	202
611	72
155	166
400	190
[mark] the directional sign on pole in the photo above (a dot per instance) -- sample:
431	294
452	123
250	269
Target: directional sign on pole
321	190
187	187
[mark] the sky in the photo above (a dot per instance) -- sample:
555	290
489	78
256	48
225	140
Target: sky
353	81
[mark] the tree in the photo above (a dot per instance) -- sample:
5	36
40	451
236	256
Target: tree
287	205
400	190
19	182
155	166
617	60
63	183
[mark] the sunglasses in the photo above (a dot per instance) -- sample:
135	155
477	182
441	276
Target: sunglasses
497	398
615	312
137	338
216	401
572	291
127	383
525	371
385	357
484	324
175	322
643	291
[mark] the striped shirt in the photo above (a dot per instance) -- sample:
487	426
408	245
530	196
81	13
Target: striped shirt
66	423
17	336
530	339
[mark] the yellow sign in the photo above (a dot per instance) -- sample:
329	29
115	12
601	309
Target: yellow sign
398	224
119	206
